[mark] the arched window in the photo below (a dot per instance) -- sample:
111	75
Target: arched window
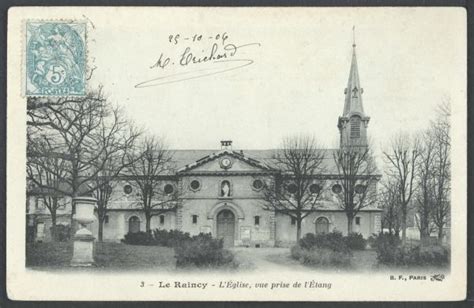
322	225
355	127
133	224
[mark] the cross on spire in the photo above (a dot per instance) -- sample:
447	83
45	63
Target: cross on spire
353	37
353	101
354	92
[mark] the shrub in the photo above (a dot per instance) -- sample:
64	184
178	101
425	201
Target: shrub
387	247
391	251
202	250
321	256
60	233
428	255
308	241
355	241
170	238
333	241
371	240
138	238
296	252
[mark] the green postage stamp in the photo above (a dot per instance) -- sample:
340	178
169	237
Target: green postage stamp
55	58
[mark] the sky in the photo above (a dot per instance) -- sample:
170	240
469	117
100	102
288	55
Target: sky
409	60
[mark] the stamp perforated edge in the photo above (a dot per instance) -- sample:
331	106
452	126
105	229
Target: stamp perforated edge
24	44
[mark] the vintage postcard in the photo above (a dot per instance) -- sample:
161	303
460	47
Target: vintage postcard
236	154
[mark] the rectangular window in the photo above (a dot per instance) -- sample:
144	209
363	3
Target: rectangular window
357	220
39	203
293	220
257	220
195	219
106	219
355	127
162	219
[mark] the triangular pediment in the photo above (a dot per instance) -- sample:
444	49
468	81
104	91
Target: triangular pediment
225	161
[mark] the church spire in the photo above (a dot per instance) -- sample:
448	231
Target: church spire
353	122
353	102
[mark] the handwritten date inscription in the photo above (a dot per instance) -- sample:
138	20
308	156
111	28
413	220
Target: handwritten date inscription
209	55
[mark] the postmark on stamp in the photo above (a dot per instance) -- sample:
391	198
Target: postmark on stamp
55	58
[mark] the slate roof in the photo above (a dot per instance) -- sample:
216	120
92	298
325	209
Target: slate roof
63	188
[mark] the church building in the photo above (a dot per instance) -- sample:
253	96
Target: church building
221	193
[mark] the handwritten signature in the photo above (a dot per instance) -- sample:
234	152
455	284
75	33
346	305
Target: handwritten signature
223	58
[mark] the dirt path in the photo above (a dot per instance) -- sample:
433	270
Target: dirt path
266	259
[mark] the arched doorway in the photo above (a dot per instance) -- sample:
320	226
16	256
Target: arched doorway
134	224
226	227
322	225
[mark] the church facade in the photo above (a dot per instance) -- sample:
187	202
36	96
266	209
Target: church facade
221	193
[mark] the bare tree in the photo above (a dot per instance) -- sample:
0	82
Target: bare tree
149	173
391	218
118	136
357	178
103	193
295	191
442	186
47	171
402	158
87	131
425	180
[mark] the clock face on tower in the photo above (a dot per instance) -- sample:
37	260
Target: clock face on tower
226	163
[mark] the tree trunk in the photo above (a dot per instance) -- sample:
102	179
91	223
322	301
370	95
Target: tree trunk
101	229
148	223
53	226
350	220
424	230
74	224
298	230
404	225
440	234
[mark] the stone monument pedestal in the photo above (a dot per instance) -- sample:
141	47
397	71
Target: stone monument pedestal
83	252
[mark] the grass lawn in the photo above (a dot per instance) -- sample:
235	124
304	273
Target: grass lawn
364	259
114	256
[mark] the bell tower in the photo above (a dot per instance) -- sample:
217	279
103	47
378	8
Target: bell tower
353	122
